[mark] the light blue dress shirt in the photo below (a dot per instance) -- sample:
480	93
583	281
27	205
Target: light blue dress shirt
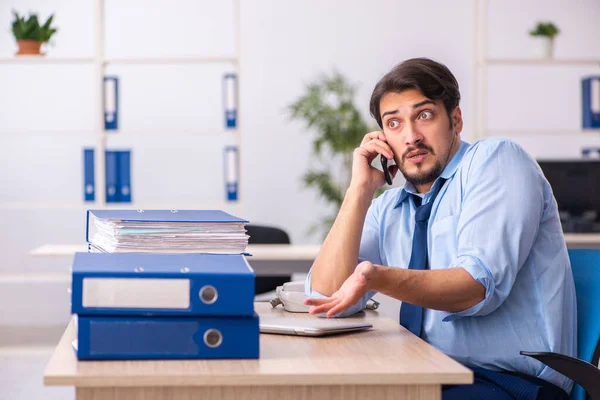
495	217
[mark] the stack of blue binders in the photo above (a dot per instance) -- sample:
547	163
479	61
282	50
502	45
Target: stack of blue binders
145	305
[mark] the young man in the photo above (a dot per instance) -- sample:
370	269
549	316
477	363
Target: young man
472	244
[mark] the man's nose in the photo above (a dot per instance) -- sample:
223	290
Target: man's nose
412	135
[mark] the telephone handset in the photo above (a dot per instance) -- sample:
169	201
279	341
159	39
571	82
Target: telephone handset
386	171
291	296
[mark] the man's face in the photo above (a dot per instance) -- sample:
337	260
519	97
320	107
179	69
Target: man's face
420	134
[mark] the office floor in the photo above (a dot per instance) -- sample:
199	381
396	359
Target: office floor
21	371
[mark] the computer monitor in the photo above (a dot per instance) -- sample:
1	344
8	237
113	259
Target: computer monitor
575	184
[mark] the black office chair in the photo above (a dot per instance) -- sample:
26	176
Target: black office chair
267	235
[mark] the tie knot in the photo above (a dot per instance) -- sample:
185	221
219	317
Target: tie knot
424	210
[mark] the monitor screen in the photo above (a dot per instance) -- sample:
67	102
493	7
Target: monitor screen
575	184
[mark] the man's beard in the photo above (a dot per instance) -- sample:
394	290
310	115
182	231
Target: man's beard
422	177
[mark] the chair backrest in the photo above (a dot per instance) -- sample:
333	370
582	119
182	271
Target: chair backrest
266	235
585	264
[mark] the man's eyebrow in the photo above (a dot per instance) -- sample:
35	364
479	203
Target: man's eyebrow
388	113
421	103
416	105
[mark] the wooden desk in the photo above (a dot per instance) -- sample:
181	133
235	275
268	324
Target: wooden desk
266	259
583	240
386	363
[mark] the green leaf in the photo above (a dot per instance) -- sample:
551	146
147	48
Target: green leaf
30	29
328	111
328	189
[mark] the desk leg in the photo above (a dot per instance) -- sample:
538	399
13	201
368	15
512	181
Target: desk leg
379	392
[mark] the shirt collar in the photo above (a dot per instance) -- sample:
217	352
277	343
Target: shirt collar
447	173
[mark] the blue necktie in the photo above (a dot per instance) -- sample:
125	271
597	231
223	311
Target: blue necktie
411	316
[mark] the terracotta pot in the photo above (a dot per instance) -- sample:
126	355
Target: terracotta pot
29	47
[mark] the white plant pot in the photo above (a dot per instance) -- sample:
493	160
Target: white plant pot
542	46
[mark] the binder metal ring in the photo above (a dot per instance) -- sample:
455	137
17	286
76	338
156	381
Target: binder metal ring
185	269
208	294
140	210
213	338
139	269
173	211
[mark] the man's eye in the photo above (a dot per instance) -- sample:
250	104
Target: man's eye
425	115
393	124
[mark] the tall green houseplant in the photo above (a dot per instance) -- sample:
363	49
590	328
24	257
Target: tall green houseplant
327	107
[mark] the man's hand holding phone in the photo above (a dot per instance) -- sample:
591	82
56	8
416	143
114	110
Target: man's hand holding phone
364	175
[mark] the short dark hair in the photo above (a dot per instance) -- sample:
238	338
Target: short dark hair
429	77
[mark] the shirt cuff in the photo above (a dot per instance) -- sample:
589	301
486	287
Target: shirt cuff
481	273
313	294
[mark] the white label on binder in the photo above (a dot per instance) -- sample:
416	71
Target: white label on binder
110	106
230	101
231	165
136	293
595	96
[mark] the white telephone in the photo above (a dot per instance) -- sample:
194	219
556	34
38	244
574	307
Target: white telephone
291	295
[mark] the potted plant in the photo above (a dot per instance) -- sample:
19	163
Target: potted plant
543	35
327	107
30	35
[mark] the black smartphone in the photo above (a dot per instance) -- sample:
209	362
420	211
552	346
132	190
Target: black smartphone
386	171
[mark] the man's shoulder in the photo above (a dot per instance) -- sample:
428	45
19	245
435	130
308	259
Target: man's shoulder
493	145
488	150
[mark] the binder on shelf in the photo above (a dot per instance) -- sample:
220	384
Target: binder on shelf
230	99
111	170
591	102
88	175
590	153
231	172
111	103
143	338
161	284
124	176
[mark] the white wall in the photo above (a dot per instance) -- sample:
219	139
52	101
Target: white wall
47	111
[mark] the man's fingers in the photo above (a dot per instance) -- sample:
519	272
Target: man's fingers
377	146
316	302
342	306
321	309
370	136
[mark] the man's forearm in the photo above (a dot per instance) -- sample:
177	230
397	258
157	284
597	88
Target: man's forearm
449	290
338	256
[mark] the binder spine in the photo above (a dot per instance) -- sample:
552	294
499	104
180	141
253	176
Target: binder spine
231	172
127	338
209	295
591	102
124	180
88	175
111	166
111	103
230	99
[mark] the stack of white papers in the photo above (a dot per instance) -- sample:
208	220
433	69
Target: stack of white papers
114	235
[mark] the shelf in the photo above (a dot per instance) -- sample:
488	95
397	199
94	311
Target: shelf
90	134
24	205
550	132
170	132
33	59
46	60
533	61
168	60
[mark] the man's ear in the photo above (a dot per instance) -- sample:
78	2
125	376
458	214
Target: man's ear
457	120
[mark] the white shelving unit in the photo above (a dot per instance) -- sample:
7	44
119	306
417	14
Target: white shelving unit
482	61
101	137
